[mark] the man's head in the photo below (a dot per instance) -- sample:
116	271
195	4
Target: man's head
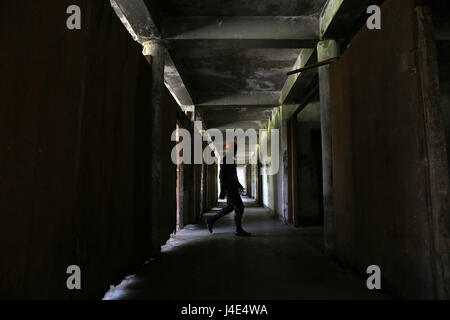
229	146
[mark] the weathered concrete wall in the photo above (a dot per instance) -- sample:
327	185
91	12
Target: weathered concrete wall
198	198
286	112
249	180
255	182
309	167
168	214
275	187
188	194
272	189
75	147
382	159
194	197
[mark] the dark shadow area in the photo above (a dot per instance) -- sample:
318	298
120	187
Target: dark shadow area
278	262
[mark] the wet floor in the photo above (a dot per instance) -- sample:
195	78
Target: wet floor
279	261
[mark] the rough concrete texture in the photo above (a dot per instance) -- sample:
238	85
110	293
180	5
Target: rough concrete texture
271	189
76	158
238	27
214	73
136	17
222	266
297	85
167	212
174	82
341	19
275	187
383	203
237	53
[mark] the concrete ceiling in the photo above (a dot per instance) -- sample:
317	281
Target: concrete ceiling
229	59
233	56
217	73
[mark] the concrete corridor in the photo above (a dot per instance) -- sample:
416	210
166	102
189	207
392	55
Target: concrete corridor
117	115
277	262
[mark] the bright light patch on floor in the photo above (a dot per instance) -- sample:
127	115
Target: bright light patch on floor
119	291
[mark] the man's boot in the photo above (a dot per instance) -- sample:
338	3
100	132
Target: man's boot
209	224
210	221
239	231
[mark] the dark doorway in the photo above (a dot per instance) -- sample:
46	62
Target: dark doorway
316	146
307	177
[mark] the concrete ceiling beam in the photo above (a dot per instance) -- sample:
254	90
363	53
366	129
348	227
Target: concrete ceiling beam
235	124
139	21
241	32
263	99
174	82
340	19
292	91
241	28
237	113
180	44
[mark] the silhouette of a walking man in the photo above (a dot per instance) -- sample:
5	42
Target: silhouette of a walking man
231	188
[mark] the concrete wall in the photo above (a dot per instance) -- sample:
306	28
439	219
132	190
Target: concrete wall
75	142
255	182
198	191
272	190
188	194
275	192
167	219
195	179
383	162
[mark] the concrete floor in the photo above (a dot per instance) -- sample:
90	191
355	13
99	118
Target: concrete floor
277	262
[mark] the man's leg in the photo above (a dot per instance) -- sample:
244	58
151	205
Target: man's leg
236	201
223	212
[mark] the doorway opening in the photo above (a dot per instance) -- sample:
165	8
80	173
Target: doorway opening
305	167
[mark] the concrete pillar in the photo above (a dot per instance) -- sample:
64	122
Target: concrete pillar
154	51
327	49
